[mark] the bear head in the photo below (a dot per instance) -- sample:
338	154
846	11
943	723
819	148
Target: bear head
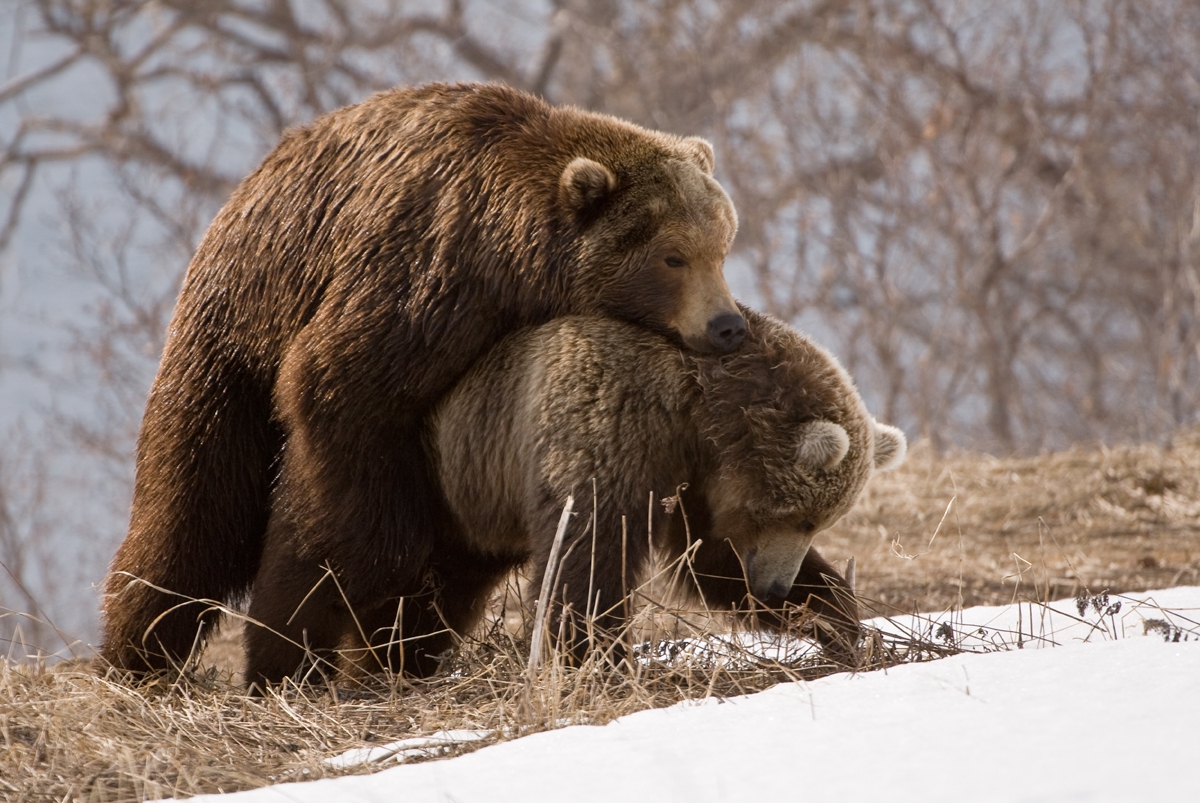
794	447
653	228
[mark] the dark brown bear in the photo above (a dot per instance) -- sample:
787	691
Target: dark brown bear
344	288
773	443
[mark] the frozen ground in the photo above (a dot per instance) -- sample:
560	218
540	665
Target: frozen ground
1094	707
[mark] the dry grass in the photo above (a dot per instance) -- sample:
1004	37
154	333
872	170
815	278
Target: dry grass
934	535
962	530
70	733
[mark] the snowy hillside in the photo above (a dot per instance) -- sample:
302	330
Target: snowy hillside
1098	705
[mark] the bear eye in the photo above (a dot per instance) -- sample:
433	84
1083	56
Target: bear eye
675	262
807	526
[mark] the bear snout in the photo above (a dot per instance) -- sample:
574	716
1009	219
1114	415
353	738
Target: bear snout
771	589
726	332
772	565
774	596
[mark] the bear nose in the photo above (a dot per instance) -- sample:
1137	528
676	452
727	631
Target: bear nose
726	332
774	596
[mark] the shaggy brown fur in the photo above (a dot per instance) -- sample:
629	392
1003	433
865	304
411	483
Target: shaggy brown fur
765	448
347	284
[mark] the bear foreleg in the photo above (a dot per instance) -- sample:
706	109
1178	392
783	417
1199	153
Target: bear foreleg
589	606
819	589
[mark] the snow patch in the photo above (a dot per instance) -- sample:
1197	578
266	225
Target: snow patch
436	744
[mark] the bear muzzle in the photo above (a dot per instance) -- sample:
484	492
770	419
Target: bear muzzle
772	565
707	318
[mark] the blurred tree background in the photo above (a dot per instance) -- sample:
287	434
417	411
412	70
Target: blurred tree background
989	211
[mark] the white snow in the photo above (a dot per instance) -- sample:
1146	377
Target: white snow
417	747
1092	709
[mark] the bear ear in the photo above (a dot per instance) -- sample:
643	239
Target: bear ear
584	183
823	444
700	152
890	446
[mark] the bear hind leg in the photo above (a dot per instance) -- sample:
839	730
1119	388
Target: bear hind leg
183	552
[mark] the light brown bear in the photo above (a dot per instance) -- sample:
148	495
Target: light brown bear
348	283
773	444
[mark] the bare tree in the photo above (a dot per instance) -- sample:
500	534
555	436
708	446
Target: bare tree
23	558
